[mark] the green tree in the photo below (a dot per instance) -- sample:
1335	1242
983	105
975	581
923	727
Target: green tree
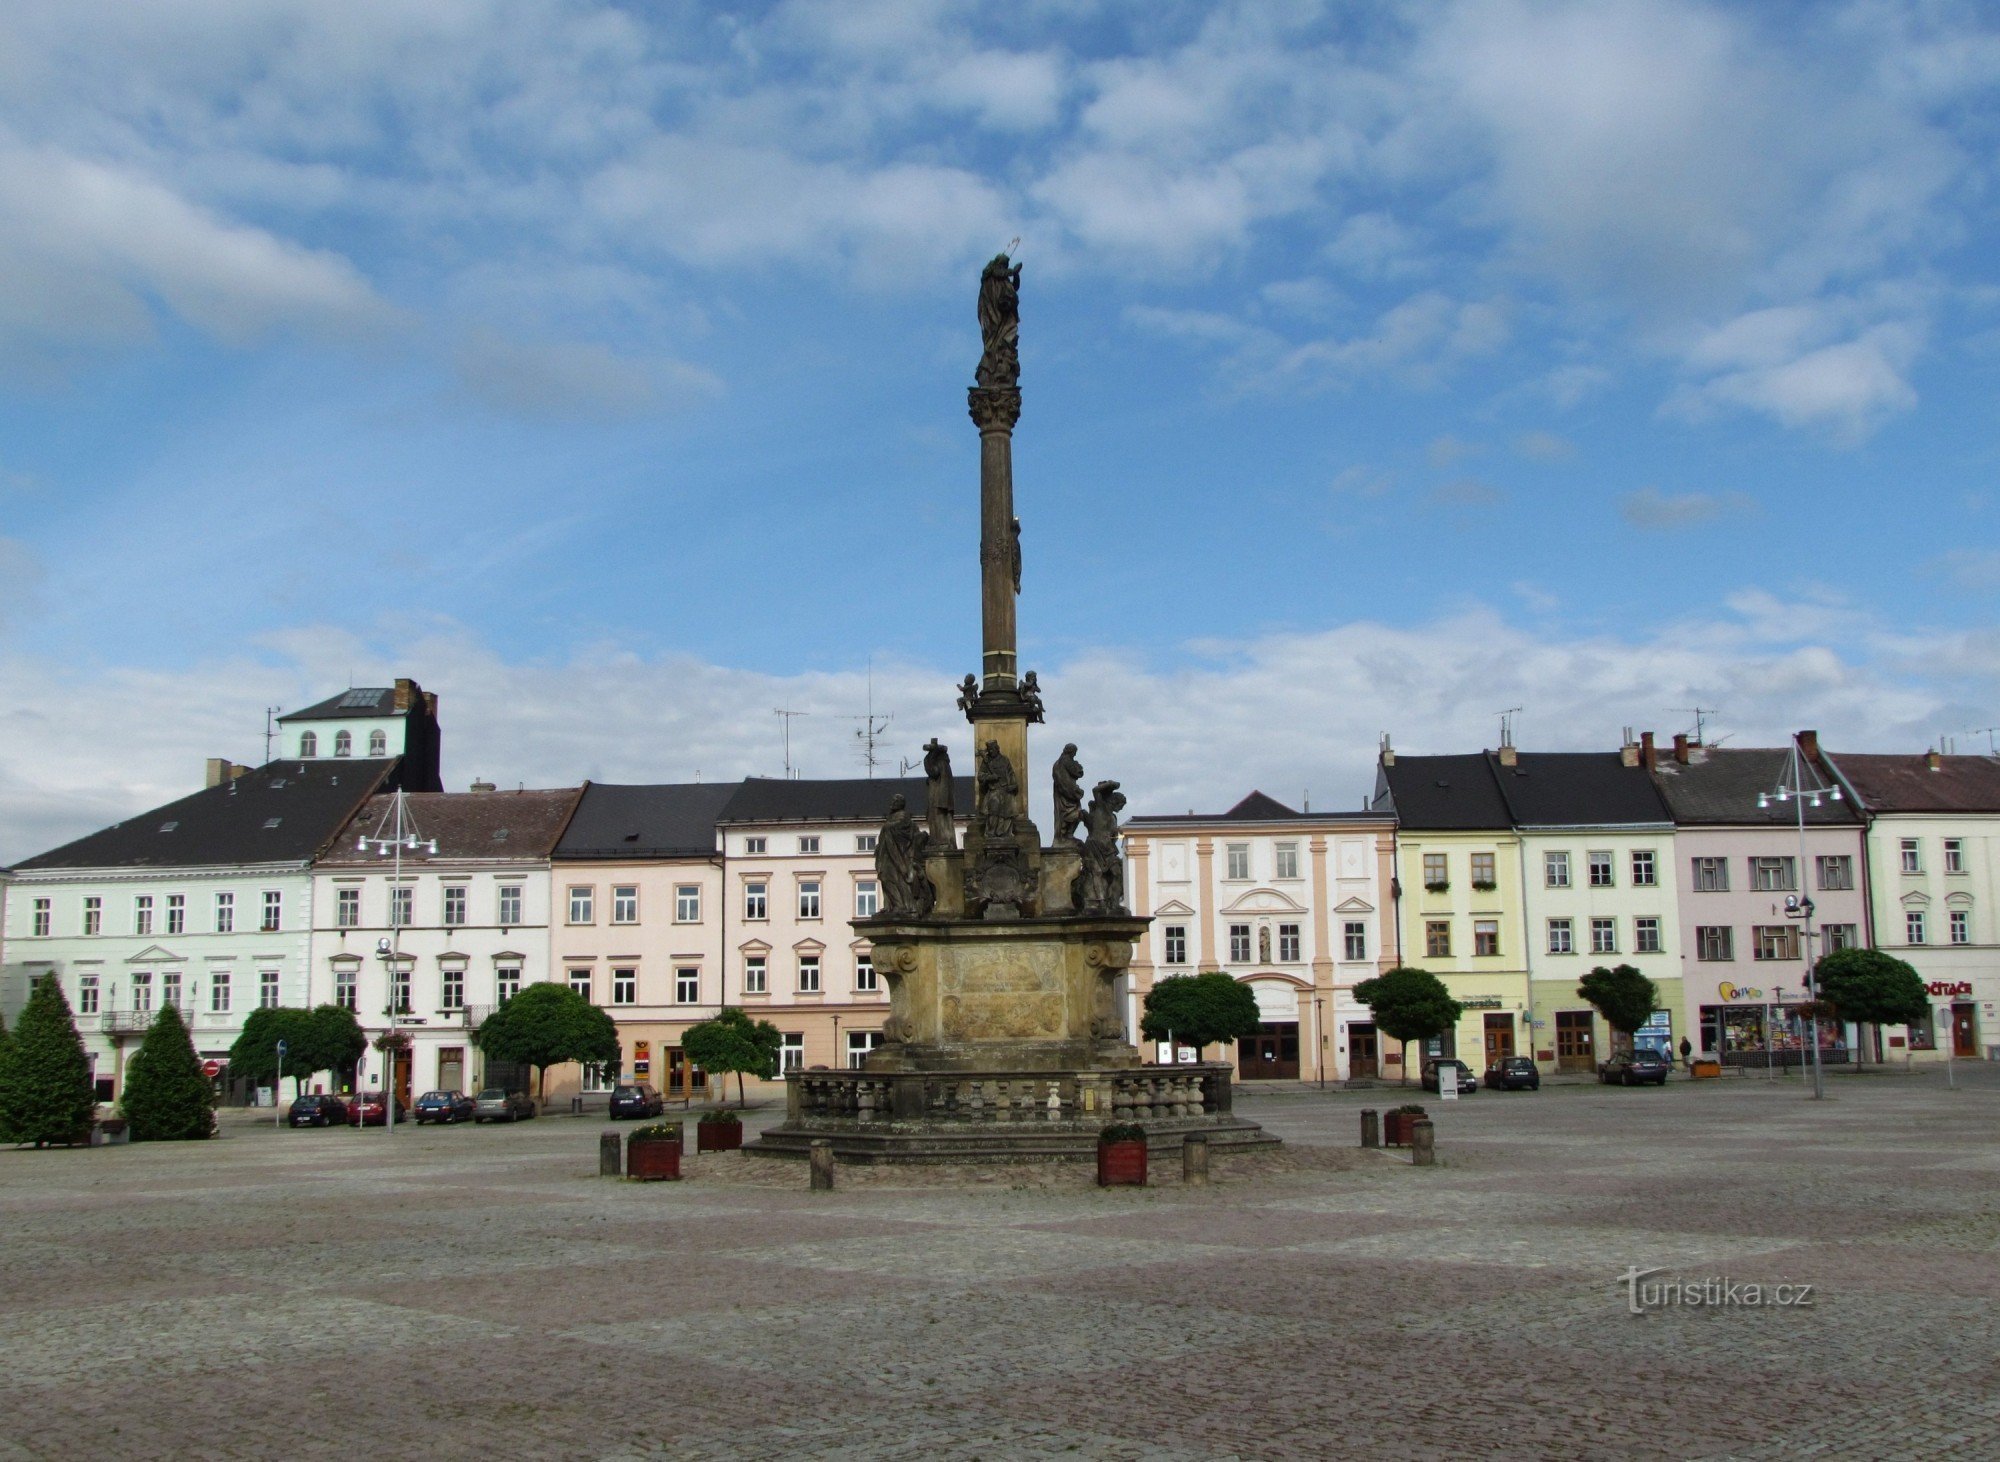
253	1056
1871	988
734	1042
546	1025
335	1038
1623	996
166	1097
45	1090
1200	1010
1410	1004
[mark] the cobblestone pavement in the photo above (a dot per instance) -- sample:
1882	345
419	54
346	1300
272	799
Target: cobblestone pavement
480	1292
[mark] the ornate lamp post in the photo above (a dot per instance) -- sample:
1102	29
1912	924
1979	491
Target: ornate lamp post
396	831
1800	784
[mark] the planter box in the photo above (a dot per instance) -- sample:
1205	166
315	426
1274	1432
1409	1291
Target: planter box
718	1136
1705	1068
1396	1128
1121	1164
653	1160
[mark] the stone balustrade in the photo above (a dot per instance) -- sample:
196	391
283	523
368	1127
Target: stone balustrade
1016	1098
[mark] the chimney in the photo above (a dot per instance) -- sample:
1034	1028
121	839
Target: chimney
407	691
221	769
1507	756
1628	750
1934	761
1648	756
1388	751
1809	746
484	787
1681	747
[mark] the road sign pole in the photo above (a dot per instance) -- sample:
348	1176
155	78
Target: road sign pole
278	1089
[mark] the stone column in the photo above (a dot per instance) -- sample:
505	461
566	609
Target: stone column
1206	957
999	715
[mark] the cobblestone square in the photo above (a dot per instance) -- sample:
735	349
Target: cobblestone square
480	1291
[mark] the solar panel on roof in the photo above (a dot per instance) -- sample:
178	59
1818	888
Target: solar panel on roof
355	699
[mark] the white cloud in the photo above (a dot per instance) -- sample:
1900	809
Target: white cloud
568	380
1847	386
1651	509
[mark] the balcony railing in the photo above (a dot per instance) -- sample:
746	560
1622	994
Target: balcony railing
136	1022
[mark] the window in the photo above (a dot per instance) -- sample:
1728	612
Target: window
1841	936
753	975
1482	871
1437	939
809	974
347	908
177	908
1836	872
859	1044
581	898
624	987
1774	941
1913	926
1356	935
1715	941
454	904
1555	870
1176	942
451	995
867	899
170	988
1954	855
343	987
864	842
1645	870
625	903
225	913
809	898
1562	938
44	912
687	986
400	991
1773	875
1913	858
1288	860
579	981
755	903
309	744
274	910
1601	875
1239	944
809	844
753	845
1236	860
1288	944
93	915
402	901
267	989
1604	936
1646	935
1961	926
1437	872
1711	875
142	990
1486	937
86	995
378	743
506	982
142	914
218	991
865	978
791	1053
343	744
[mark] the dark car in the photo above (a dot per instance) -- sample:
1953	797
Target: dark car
1467	1082
444	1106
1632	1068
1513	1073
495	1105
316	1110
371	1109
636	1100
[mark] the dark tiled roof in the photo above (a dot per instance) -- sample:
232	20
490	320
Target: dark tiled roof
283	812
1439	793
1907	783
1256	808
367	700
1720	786
665	820
1577	789
509	825
854	799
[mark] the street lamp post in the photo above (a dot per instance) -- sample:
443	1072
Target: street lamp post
401	832
1793	787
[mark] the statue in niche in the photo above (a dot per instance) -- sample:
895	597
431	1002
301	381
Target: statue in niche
940	820
1264	944
1000	325
1100	888
907	891
1017	555
1069	794
1031	695
968	694
998	789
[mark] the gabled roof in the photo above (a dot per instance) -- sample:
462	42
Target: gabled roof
1443	793
852	799
1577	789
1719	786
669	819
1910	784
283	812
358	703
1257	807
464	825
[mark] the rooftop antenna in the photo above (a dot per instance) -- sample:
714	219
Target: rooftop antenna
1507	725
786	716
871	726
1988	732
269	712
1701	715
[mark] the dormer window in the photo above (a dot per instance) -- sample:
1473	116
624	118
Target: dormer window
343	744
378	743
309	744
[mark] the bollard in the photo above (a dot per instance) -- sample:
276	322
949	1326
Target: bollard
608	1162
1371	1127
1194	1160
1423	1143
822	1166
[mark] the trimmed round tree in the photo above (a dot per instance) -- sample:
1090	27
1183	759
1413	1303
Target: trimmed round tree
166	1097
45	1090
547	1025
253	1055
333	1038
1410	1004
1871	988
733	1042
1200	1010
1623	996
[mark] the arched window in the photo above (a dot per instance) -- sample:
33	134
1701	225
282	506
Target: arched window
378	743
309	744
343	744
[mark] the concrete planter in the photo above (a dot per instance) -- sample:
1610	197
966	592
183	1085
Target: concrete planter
653	1159
718	1136
1121	1164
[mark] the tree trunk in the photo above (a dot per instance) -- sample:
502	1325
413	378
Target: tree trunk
1404	1079
542	1086
741	1100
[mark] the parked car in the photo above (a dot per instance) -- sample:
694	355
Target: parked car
1513	1073
636	1099
495	1105
1631	1068
316	1110
371	1109
444	1106
1467	1082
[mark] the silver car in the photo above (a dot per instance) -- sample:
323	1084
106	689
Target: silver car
495	1105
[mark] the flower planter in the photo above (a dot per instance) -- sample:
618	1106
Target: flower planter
718	1136
1396	1127
1703	1069
653	1159
1122	1163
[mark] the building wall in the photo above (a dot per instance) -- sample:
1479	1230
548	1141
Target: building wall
1948	968
1495	984
291	737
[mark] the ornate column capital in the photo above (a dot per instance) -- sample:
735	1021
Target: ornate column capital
994	408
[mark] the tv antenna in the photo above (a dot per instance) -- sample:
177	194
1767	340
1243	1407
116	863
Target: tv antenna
1701	715
269	712
1507	725
786	717
871	725
1988	732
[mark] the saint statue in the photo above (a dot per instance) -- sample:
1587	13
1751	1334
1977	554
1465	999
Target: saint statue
939	819
907	890
1000	325
1100	888
1069	793
998	788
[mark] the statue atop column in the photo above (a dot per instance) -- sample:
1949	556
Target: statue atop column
1069	794
907	891
1000	325
940	820
1100	888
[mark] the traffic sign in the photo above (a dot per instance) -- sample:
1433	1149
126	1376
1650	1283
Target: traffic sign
212	1068
283	1048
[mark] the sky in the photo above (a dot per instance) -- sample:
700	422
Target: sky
1385	367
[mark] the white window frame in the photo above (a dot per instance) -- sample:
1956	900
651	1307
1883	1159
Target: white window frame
756	901
1841	865
1709	874
624	985
347	908
791	1052
1355	938
625	903
1555	869
457	899
810	982
1959	925
1954	855
809	843
1174	944
142	914
506	983
1646	935
1774	873
867	898
687	903
93	915
1602	868
451	988
1603	935
378	743
1915	927
1240	944
1912	855
1236	860
218	992
754	846
225	913
1285	858
346	979
756	974
1562	936
510	905
274	911
1645	868
402	905
270	989
809	898
176	913
867	979
42	918
582	980
1490	930
1289	944
1715	943
86	995
687	985
582	903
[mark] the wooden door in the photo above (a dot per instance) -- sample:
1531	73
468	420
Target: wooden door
1499	1038
1964	1033
684	1078
1363	1052
1273	1053
1575	1048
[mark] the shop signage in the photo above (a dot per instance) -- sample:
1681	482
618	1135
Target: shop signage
1738	992
641	1050
1950	987
1481	1002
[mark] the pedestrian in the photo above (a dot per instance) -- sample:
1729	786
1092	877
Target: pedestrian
1687	1053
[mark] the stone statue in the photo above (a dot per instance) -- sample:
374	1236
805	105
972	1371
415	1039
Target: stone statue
939	820
907	891
998	789
1069	793
1017	555
1000	325
1264	944
1031	695
968	694
1100	888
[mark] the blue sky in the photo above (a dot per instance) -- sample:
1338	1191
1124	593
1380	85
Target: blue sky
603	366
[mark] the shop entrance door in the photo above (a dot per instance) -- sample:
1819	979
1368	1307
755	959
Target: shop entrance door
1964	1033
1499	1038
1272	1054
1363	1052
1575	1050
684	1078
